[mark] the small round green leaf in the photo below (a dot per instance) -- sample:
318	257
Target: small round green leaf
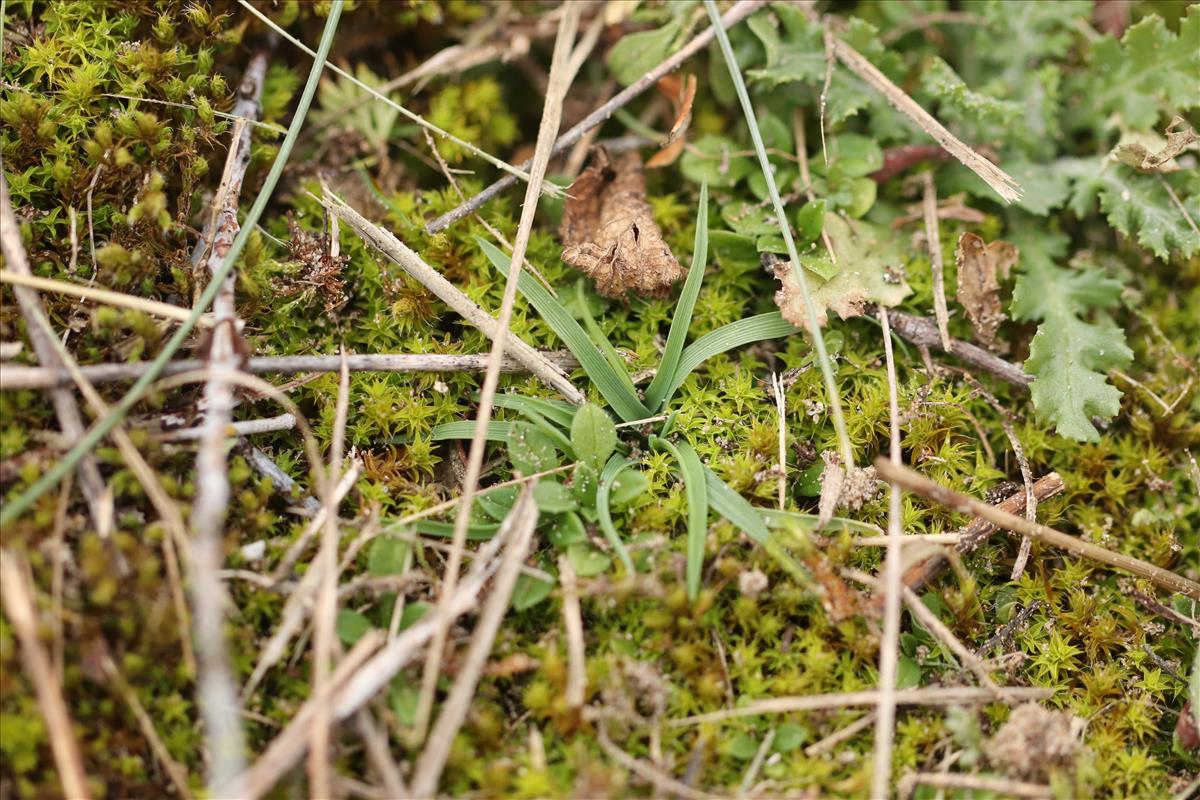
587	561
553	498
593	435
530	450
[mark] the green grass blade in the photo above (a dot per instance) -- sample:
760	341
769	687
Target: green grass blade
604	513
749	520
626	403
604	345
98	431
735	74
771	325
659	390
477	531
463	429
560	412
695	488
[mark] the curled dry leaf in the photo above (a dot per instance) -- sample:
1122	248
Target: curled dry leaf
869	272
609	233
1180	137
978	282
682	94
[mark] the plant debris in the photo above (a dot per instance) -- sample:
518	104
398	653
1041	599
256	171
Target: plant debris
1180	137
867	275
980	266
609	233
1035	742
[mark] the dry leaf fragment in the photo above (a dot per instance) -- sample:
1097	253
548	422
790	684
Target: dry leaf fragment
978	284
1179	137
682	94
844	488
867	273
609	233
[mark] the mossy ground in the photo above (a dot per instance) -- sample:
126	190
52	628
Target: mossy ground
148	173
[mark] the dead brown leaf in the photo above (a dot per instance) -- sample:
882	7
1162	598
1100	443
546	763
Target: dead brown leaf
609	233
979	284
1179	137
682	94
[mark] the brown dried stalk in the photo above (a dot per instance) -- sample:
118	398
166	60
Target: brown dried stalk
19	607
926	488
16	377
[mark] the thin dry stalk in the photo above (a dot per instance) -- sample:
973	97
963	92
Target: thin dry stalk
556	91
428	770
889	648
291	743
1000	181
904	697
247	427
217	692
356	686
42	331
58	551
573	623
18	377
933	242
756	763
17	595
955	501
383	241
842	734
802	159
65	408
1003	787
513	172
296	549
325	616
448	174
379	754
1031	499
119	299
943	633
739	11
781	412
664	784
173	768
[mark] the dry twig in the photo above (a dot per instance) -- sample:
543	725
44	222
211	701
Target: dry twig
218	697
428	769
561	77
65	408
1003	787
17	377
393	248
1003	183
939	696
573	623
19	607
926	488
933	242
889	648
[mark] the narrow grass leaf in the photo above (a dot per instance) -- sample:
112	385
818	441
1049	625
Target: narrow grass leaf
464	429
657	393
695	488
745	331
559	412
611	470
749	520
626	403
735	74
